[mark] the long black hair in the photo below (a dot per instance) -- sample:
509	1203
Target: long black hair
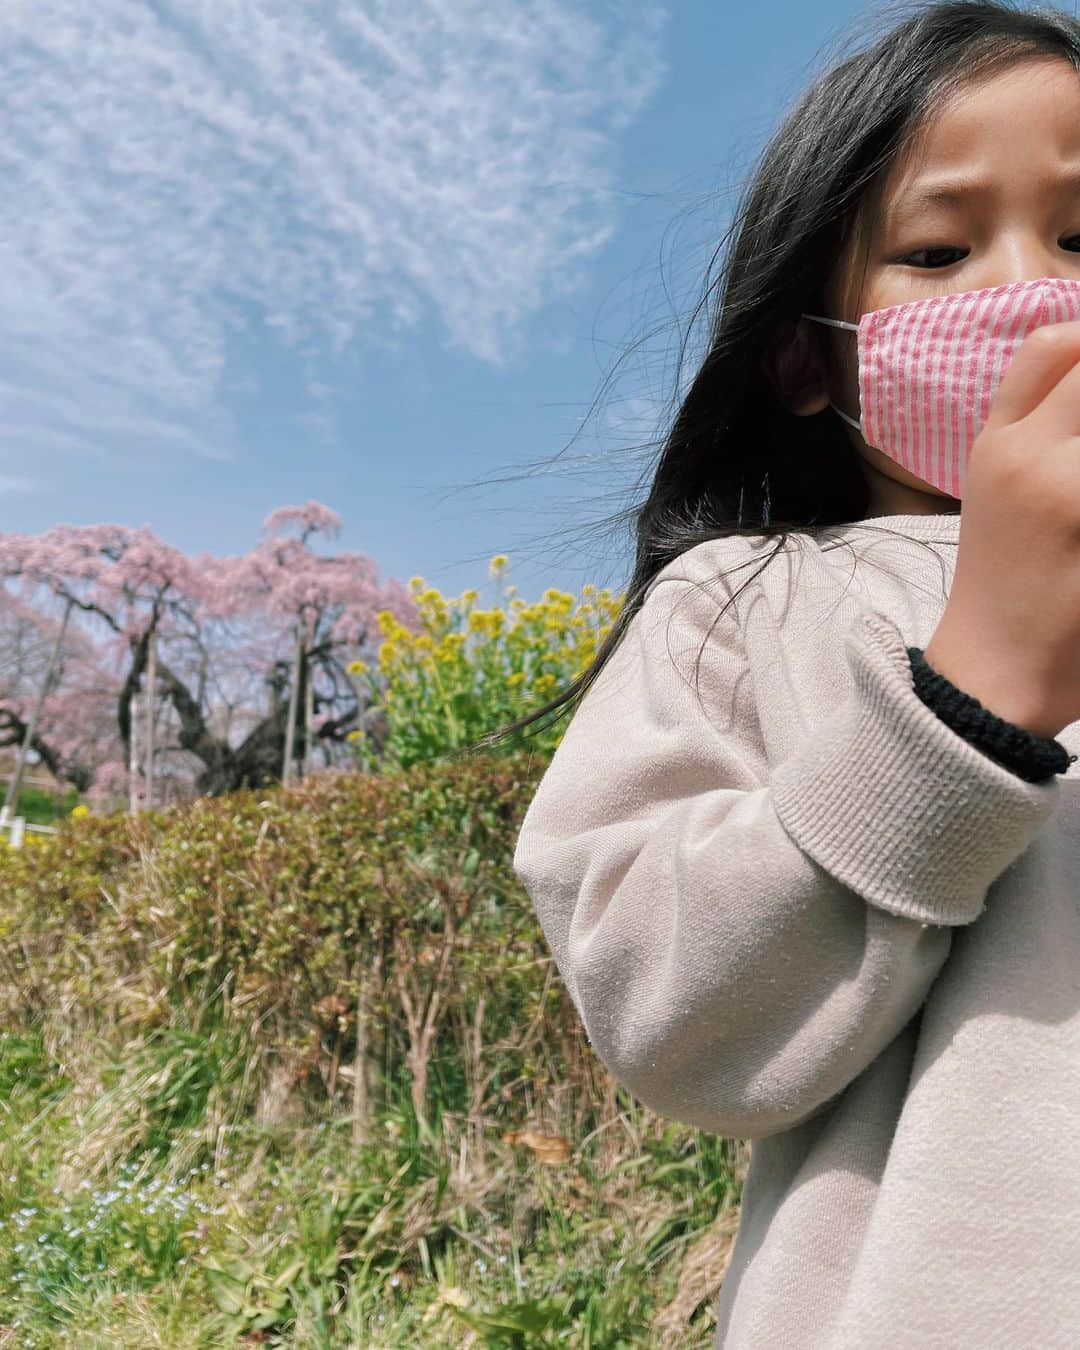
735	460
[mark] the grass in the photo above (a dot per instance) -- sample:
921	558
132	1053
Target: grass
139	1210
45	808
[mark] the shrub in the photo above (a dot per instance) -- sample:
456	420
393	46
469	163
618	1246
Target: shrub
466	670
381	904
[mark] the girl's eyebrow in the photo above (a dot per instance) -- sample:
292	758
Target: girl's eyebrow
952	191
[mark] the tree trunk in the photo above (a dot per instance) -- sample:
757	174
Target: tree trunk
11	798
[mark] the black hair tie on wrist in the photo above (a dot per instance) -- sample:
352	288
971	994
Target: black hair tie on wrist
1033	758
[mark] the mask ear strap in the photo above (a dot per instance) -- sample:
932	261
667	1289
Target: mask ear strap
836	323
856	425
839	323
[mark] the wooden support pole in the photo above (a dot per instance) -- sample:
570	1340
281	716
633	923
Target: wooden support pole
133	757
309	716
294	697
151	677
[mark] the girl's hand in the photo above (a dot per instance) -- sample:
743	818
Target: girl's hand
1010	631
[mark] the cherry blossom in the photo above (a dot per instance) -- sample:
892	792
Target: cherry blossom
229	635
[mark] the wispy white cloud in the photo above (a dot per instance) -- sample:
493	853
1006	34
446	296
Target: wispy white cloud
173	170
15	485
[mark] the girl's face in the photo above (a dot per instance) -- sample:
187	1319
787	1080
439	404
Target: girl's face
988	192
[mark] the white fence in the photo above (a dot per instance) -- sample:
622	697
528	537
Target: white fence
17	827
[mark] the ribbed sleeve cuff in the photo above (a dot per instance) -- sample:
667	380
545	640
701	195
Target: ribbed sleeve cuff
895	804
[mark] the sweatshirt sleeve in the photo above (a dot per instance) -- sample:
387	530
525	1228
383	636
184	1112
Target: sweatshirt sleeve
741	940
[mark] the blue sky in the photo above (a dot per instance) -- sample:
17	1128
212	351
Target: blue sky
370	253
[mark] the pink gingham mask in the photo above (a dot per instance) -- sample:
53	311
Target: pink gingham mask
929	369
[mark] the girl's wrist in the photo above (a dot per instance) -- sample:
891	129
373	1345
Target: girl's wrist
1033	757
1007	699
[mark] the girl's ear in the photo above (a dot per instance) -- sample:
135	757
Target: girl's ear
795	366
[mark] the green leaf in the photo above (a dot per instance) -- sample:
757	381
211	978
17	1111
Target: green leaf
227	1293
286	1276
527	1318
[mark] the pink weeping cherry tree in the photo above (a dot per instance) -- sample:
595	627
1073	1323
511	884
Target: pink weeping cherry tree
242	659
79	710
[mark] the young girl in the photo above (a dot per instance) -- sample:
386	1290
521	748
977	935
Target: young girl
808	853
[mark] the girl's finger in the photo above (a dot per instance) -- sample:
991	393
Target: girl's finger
1042	360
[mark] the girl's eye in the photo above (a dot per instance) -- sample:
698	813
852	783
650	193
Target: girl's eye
1071	242
929	252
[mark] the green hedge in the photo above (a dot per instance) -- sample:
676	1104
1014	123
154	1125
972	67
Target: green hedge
295	909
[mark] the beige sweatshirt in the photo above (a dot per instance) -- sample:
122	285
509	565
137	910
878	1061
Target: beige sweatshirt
794	907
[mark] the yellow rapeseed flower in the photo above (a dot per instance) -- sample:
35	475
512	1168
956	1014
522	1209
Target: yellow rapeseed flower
357	667
498	564
80	811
